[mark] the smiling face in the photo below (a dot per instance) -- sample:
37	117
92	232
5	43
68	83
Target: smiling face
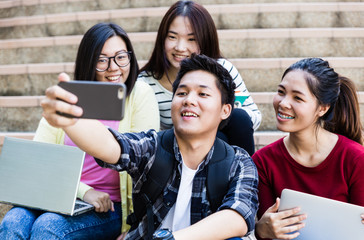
180	42
296	108
196	105
114	73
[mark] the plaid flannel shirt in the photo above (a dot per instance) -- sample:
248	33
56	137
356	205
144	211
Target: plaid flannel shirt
137	156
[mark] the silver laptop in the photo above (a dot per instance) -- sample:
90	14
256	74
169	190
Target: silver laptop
327	219
41	176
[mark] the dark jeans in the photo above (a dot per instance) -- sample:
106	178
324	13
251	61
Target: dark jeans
239	131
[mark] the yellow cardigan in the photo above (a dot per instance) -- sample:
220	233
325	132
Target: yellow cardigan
141	113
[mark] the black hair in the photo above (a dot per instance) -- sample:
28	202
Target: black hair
90	49
224	81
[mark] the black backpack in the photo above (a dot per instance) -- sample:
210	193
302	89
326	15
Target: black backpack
217	184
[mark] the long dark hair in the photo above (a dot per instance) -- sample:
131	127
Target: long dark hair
203	28
338	92
90	50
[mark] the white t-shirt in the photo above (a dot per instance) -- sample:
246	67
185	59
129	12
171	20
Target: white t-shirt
179	217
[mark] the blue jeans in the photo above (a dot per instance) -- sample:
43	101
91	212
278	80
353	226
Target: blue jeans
24	223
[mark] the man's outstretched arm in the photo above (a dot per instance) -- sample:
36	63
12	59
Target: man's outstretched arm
223	224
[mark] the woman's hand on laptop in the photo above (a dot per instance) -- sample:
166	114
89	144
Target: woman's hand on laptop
100	200
59	100
280	225
362	218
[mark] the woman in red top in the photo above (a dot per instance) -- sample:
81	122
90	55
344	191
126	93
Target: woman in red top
323	153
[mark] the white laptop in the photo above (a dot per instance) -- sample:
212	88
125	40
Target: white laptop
41	176
327	219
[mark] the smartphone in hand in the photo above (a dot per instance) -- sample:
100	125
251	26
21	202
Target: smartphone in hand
99	100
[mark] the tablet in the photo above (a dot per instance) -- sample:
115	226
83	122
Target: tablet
327	219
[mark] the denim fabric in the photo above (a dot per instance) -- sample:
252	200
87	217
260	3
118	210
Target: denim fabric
24	223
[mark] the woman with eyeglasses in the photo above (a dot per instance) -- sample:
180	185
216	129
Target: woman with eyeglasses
105	54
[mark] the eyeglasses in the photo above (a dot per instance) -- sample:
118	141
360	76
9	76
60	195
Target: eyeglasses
121	59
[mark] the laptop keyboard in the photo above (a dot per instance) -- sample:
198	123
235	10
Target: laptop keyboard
79	205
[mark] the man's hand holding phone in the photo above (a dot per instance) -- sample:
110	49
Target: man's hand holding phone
89	135
59	100
83	99
71	100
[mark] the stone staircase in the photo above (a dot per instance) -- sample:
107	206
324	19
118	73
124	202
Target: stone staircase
39	39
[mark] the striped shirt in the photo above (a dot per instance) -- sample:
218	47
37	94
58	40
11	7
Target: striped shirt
138	152
164	96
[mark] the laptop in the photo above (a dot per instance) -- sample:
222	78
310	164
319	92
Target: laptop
327	219
41	176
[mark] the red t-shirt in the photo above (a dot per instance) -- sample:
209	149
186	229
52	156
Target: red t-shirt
340	176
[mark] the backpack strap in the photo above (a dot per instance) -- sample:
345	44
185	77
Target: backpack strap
218	171
162	168
156	180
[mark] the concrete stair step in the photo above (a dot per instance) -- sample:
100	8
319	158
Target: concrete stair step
13	8
226	16
23	135
259	74
23	119
22	113
20	8
234	43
